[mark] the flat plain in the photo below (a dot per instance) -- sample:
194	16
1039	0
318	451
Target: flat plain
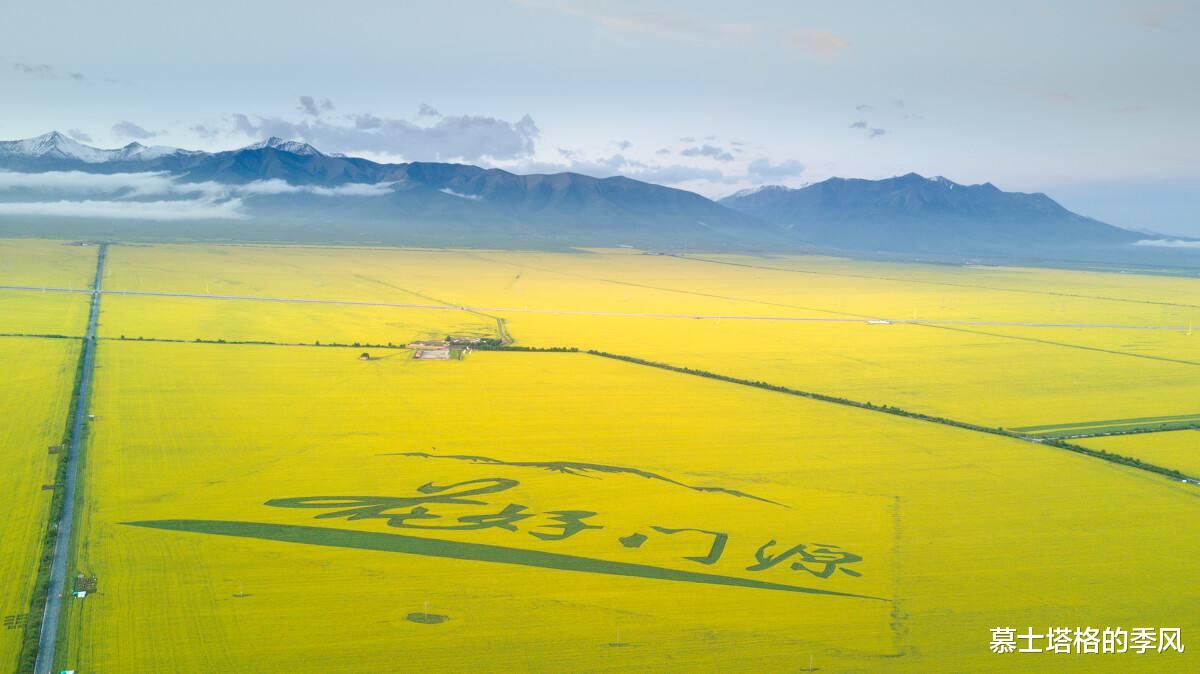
681	506
976	344
950	530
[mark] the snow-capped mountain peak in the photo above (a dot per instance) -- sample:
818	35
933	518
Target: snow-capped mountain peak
138	152
756	190
277	143
55	145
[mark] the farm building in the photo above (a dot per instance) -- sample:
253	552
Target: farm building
436	353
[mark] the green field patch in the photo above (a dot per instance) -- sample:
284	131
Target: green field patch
1137	421
426	618
1122	430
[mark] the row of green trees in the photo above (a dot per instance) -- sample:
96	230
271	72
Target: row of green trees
890	409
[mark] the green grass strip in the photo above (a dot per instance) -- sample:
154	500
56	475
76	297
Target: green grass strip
1131	429
1110	422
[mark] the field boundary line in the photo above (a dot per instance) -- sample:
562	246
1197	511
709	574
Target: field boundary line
896	411
33	335
839	317
823	397
1036	340
682	256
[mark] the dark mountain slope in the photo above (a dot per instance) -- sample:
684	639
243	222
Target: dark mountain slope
911	212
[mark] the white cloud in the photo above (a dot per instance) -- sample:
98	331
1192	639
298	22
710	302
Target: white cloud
818	43
442	138
311	106
178	209
352	190
1170	243
46	71
660	23
277	186
128	129
204	131
620	165
460	195
77	182
161	183
763	168
706	150
128	195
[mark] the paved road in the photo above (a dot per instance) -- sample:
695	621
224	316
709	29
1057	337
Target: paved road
618	314
62	547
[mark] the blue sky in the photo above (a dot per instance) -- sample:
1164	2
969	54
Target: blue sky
1093	103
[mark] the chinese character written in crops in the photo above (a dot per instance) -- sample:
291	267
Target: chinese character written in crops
412	512
569	522
382	507
821	561
714	550
426	511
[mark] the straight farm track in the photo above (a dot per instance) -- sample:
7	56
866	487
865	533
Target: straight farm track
64	528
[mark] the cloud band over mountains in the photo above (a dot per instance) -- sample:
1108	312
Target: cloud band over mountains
169	210
151	195
466	137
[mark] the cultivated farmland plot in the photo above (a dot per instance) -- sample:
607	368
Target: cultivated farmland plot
726	463
34	395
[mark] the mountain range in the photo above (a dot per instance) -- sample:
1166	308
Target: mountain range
289	189
936	213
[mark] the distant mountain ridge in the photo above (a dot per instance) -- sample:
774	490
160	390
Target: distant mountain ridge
432	202
912	212
56	147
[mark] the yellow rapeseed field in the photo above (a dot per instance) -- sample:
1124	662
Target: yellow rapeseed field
266	508
394	275
624	281
35	392
964	363
42	313
1171	345
40	262
234	320
44	264
982	378
1174	449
